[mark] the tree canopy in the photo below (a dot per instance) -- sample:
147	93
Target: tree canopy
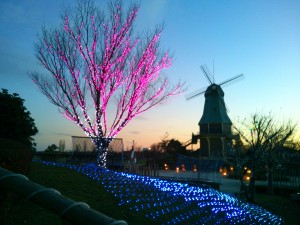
51	148
16	122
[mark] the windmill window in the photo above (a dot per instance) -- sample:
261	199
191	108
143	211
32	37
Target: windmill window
227	128
204	129
215	128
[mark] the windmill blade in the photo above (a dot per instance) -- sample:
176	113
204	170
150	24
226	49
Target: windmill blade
207	73
233	79
195	93
223	102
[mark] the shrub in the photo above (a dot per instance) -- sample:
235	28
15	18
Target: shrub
15	156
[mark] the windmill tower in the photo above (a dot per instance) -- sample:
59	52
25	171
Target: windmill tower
215	125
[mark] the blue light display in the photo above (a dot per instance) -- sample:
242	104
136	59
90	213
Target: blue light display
173	202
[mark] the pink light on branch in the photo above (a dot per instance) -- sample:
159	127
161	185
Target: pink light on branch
94	60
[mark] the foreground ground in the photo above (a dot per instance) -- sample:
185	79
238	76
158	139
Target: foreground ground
81	188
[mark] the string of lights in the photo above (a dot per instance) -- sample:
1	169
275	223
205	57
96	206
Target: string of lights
173	202
94	63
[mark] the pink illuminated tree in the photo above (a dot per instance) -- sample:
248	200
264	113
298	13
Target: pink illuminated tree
100	75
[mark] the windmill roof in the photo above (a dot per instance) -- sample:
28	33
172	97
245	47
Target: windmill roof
214	108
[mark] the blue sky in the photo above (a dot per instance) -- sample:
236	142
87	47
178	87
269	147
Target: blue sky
260	39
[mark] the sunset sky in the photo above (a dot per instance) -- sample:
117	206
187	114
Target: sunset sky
260	39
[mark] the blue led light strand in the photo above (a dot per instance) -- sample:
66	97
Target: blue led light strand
172	202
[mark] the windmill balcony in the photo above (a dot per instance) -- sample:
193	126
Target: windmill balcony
218	129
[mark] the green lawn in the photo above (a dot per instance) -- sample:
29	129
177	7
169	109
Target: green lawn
72	185
80	188
282	206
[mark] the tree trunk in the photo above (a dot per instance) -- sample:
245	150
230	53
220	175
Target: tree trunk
101	150
251	188
270	182
248	190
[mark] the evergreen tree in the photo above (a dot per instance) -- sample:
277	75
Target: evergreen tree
16	122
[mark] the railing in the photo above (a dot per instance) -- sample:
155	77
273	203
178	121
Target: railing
287	176
76	213
180	174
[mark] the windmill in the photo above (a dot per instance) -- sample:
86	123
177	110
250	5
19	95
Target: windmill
215	125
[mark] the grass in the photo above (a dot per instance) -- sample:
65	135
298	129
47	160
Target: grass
81	188
280	205
72	185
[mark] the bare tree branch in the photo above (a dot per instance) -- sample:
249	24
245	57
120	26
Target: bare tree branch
94	59
265	137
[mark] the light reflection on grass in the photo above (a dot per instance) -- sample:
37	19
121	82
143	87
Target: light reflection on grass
175	203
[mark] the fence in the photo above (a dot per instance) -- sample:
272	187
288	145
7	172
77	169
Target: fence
198	168
186	169
287	176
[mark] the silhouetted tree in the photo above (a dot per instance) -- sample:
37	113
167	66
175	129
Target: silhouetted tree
166	150
265	137
297	145
162	145
61	145
51	148
94	58
175	147
16	122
